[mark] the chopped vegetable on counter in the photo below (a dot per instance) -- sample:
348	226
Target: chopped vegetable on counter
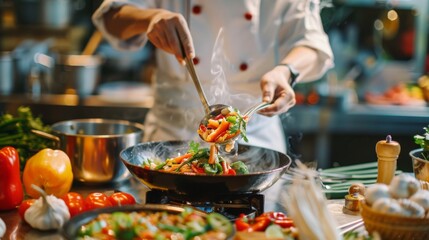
49	169
15	131
157	225
11	191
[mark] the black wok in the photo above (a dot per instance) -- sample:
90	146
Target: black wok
265	166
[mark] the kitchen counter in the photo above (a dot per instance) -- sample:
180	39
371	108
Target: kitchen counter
16	229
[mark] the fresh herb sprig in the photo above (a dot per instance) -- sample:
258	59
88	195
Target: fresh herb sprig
15	131
239	124
423	141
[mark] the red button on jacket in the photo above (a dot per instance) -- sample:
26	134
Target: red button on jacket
196	60
243	66
196	9
248	16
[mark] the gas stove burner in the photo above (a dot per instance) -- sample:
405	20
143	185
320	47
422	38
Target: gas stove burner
231	206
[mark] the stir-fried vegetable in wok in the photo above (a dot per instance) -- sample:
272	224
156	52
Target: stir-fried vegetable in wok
157	225
198	160
227	125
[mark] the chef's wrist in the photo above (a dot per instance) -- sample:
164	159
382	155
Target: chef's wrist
291	73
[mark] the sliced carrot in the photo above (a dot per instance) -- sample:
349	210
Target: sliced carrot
213	154
223	127
180	159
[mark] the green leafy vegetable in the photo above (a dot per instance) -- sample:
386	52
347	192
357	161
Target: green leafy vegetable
15	131
240	167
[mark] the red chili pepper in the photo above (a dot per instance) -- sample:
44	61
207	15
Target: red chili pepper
242	223
203	128
260	224
197	169
232	172
11	190
220	116
74	202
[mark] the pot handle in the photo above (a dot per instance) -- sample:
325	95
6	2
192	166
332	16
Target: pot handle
47	136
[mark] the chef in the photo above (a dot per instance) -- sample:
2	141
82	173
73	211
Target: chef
245	52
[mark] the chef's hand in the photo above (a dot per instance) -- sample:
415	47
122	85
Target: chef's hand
164	30
276	90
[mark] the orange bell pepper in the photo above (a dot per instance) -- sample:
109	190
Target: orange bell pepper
50	170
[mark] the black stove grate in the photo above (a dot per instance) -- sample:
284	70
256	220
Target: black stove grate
231	206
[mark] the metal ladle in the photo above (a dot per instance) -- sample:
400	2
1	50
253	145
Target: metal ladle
211	110
191	69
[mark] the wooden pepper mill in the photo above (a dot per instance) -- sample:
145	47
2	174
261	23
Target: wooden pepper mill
387	155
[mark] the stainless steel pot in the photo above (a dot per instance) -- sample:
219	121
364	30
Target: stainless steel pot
71	74
93	146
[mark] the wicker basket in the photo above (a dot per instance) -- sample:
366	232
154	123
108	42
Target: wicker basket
394	227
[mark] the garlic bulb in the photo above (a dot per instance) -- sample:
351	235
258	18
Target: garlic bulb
47	212
2	228
375	192
387	205
422	198
411	209
404	186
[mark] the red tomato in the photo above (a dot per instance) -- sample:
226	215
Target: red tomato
280	219
121	199
24	206
74	202
96	200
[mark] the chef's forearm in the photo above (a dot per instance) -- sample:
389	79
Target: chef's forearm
127	21
303	59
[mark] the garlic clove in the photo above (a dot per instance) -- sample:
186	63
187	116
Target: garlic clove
411	209
375	192
404	186
422	198
388	205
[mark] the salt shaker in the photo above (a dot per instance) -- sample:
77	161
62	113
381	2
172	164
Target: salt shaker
387	155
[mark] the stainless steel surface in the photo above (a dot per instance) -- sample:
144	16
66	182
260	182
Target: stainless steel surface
191	69
256	108
420	165
93	146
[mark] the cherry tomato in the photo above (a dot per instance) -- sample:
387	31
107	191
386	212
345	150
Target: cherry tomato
121	199
74	202
96	200
24	206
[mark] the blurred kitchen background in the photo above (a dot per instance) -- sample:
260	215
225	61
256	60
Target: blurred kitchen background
52	60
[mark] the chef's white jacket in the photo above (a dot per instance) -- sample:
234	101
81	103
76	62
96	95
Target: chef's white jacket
236	42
